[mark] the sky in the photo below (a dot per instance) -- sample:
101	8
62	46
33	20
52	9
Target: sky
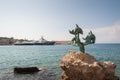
52	19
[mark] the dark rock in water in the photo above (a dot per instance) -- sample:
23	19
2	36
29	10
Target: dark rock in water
27	70
44	74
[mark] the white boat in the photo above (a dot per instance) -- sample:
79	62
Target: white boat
42	41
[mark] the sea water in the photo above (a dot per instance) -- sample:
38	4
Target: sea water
48	57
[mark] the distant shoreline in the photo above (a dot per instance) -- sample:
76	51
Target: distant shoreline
11	41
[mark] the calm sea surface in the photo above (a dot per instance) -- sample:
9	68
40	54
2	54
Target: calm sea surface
48	57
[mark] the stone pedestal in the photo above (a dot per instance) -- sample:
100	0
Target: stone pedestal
82	66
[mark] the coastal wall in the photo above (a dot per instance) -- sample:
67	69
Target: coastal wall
10	41
6	41
62	42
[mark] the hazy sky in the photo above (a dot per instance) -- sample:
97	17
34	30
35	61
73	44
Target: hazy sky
53	19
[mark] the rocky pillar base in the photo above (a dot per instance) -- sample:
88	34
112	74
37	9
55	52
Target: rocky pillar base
82	66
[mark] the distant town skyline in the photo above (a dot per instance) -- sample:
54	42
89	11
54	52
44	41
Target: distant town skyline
52	19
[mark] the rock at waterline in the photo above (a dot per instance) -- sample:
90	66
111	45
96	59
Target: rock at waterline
44	74
26	70
82	66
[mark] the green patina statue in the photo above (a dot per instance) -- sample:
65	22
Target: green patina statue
90	38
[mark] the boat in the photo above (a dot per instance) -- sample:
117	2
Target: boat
42	41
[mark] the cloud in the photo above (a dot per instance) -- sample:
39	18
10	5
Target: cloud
109	34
